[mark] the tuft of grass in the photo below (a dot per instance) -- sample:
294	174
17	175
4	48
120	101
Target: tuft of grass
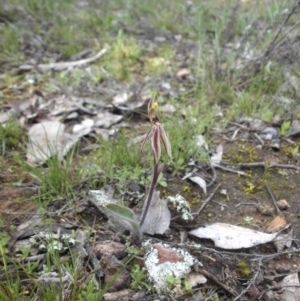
243	268
183	134
10	44
58	179
123	57
11	137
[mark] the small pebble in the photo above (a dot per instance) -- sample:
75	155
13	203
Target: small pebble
283	204
253	291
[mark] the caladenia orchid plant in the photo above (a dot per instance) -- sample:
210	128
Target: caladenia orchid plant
158	136
121	217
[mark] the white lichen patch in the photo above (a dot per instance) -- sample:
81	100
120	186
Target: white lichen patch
181	205
177	263
52	242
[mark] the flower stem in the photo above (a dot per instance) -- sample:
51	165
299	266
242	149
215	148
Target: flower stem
156	171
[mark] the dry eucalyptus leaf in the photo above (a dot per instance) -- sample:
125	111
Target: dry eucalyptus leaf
232	237
120	99
47	139
106	119
284	239
84	128
200	142
291	292
158	218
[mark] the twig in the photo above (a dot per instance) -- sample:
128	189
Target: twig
230	170
259	139
272	256
207	200
214	279
63	65
288	31
214	175
273	199
273	42
268	165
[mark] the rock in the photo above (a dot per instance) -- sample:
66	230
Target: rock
110	248
161	260
194	279
272	296
116	276
264	209
253	291
120	283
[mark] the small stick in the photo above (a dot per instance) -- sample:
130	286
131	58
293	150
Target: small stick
267	164
214	279
273	199
229	169
259	139
288	31
214	176
206	201
63	65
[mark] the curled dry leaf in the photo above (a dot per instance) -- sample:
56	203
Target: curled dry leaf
47	139
107	119
199	181
158	218
216	158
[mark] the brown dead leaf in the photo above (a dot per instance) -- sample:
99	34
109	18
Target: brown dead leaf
277	223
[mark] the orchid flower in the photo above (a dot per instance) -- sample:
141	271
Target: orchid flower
158	134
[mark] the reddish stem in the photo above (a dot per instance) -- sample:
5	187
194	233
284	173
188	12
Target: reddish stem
156	171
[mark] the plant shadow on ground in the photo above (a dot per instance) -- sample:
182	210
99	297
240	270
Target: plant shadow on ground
195	59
